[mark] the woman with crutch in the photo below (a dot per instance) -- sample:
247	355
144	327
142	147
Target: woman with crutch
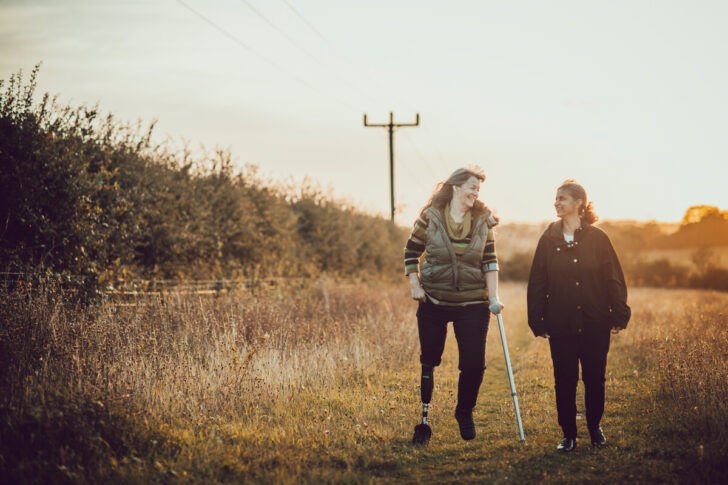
457	282
576	297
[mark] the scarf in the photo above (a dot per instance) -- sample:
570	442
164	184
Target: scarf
457	230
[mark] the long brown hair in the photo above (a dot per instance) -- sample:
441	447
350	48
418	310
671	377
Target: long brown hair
577	192
443	193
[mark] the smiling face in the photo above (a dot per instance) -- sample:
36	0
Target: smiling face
467	193
566	205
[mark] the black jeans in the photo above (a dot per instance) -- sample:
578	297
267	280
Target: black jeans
566	352
470	323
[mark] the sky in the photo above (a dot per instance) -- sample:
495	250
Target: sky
627	97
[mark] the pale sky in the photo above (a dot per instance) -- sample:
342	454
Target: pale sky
627	97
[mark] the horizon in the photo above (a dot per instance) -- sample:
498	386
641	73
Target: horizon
631	106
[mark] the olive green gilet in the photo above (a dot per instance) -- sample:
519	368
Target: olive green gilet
442	268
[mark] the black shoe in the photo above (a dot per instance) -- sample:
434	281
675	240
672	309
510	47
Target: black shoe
423	433
566	445
465	422
597	437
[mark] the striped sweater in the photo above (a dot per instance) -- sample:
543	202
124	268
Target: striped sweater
416	247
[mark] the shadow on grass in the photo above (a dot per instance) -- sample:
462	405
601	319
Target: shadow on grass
68	439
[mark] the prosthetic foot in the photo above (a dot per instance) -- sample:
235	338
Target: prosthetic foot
423	432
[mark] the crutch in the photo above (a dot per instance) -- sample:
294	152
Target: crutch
510	374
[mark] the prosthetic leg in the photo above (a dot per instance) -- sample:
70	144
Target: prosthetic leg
423	432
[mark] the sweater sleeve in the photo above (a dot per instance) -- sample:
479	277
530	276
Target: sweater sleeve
537	290
616	287
490	260
415	245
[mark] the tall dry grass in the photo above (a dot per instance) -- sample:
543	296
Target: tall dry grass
682	338
186	360
319	384
201	356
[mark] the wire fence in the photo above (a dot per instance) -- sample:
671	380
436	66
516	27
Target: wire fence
141	292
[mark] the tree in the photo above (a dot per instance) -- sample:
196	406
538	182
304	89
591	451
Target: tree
703	213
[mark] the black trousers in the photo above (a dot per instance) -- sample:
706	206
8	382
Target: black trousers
470	323
566	352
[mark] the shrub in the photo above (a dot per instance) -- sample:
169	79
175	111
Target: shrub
517	267
92	203
712	278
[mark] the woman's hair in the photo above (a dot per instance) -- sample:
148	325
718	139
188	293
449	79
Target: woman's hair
444	191
577	192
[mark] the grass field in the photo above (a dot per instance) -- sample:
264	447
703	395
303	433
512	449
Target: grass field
320	384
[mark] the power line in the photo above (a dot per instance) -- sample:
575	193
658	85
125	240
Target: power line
303	19
436	147
299	80
238	41
280	31
302	49
431	139
415	176
313	28
419	153
336	49
259	55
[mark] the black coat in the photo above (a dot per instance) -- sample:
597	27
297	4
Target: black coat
576	287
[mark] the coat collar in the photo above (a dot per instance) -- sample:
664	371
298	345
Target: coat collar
555	232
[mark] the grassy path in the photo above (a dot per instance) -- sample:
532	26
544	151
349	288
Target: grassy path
497	455
639	449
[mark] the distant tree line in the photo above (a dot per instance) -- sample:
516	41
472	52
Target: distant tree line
702	231
93	203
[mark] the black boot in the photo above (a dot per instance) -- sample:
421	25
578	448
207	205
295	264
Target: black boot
566	445
464	418
597	437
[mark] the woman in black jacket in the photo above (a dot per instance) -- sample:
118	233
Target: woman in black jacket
576	297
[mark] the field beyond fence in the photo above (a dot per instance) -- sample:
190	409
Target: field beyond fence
320	384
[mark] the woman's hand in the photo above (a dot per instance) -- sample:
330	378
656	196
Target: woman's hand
418	293
616	330
495	305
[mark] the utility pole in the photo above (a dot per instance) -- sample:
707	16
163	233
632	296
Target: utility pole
391	126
